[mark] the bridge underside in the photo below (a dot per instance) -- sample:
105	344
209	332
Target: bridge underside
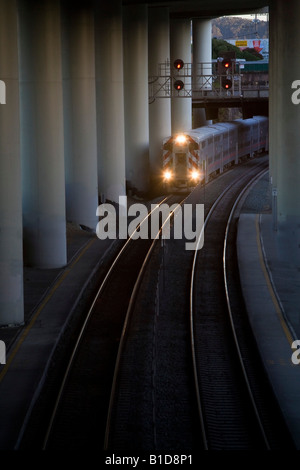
249	106
203	8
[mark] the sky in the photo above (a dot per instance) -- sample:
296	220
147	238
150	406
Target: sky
261	16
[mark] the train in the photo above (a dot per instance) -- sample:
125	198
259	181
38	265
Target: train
198	155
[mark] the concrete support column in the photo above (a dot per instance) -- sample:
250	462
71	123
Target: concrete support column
180	36
136	96
202	57
285	125
80	116
159	109
11	249
110	100
42	142
273	91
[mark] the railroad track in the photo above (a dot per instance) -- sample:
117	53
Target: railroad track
132	386
237	408
165	400
83	403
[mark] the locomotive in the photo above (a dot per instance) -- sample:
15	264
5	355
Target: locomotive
198	155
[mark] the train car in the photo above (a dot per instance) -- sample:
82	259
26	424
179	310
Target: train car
253	136
197	155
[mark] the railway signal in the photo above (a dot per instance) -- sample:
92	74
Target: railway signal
226	83
226	64
178	85
178	64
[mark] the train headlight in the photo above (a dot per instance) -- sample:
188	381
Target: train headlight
167	175
195	175
180	139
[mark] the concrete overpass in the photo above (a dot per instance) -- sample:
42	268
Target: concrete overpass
76	123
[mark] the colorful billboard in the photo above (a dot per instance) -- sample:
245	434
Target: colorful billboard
261	45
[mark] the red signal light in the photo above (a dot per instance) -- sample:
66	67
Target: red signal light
226	63
178	85
178	64
226	84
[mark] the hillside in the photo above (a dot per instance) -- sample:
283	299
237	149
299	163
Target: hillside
239	28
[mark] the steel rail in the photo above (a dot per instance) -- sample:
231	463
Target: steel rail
126	323
192	333
82	330
247	187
